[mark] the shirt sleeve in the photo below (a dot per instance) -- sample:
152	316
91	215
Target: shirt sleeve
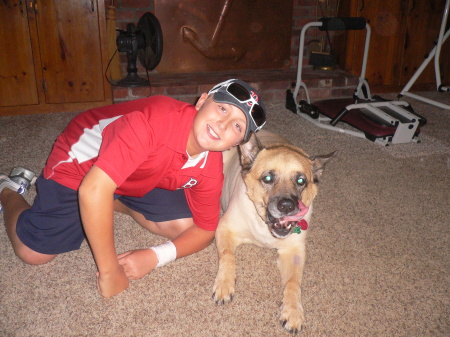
126	144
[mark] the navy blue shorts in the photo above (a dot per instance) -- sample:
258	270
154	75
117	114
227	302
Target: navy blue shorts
53	224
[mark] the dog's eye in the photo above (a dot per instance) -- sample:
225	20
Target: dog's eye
267	179
301	181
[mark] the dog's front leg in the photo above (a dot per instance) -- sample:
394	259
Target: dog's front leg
291	263
223	290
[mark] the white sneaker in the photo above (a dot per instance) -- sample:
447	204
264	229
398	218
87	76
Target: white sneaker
25	178
20	180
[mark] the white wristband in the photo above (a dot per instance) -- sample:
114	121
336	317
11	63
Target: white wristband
167	252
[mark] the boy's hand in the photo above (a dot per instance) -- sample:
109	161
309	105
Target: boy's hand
138	263
111	284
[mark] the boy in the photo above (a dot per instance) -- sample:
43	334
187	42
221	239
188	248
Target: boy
157	159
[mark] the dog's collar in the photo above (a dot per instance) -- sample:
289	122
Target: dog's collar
301	225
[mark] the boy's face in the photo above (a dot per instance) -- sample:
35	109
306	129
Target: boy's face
216	126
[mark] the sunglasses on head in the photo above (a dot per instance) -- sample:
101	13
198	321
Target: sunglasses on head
242	95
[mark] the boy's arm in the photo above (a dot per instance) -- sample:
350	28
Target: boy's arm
192	240
140	262
96	197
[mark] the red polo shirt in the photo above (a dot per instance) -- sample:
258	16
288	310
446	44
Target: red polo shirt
141	145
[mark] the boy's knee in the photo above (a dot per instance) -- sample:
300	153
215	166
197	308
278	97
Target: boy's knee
181	225
31	257
174	228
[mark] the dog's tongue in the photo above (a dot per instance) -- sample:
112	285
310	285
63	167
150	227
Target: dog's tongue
299	215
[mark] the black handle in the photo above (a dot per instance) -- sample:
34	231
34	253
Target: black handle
342	24
336	119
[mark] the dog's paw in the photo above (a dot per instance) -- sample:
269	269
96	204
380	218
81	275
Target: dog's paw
223	291
292	319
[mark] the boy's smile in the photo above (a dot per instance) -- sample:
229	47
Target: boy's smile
216	126
212	134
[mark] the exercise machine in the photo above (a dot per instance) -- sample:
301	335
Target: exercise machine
374	118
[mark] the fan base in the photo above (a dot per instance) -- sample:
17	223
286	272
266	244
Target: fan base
132	80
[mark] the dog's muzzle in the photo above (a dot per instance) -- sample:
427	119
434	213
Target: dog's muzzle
281	227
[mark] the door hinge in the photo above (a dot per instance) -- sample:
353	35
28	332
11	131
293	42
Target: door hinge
33	6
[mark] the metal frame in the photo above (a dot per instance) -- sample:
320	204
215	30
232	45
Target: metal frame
436	53
362	81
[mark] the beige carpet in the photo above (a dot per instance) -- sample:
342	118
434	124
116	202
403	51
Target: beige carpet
378	251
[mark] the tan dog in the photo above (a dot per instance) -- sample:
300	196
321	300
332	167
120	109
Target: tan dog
267	196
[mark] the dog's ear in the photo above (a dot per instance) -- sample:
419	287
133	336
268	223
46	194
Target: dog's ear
318	163
248	152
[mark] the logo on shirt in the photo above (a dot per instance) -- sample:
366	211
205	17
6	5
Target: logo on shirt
191	183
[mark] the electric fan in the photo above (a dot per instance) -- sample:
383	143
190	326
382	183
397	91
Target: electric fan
144	41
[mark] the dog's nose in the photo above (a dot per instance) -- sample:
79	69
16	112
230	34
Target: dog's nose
286	206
